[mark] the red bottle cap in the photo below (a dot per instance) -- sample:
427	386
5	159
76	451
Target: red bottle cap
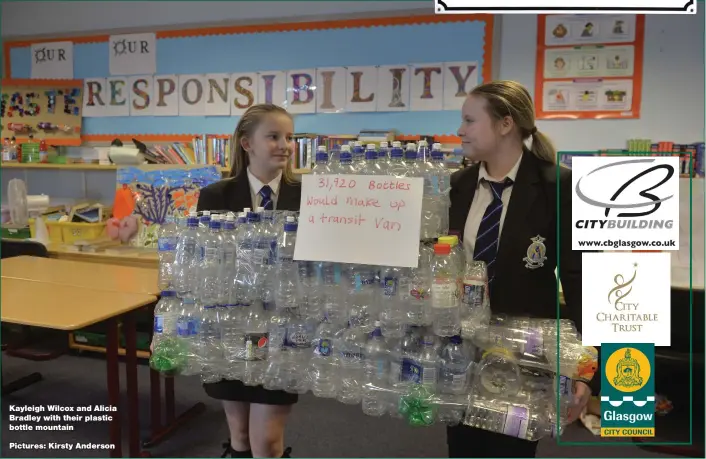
442	249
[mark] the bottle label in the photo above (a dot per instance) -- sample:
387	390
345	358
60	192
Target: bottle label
458	382
354	353
297	340
566	387
323	347
167	244
380	367
411	371
429	376
187	327
416	292
256	346
211	253
535	343
390	286
395	371
516	421
158	324
444	295
473	293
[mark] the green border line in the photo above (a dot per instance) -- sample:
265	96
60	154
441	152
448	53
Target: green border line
691	302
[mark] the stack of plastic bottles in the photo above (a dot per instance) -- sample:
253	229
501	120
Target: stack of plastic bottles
414	343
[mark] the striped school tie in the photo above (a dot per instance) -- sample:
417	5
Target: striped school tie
266	195
486	248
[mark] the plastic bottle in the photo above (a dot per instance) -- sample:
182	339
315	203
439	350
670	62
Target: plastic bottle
474	297
187	259
384	158
210	292
346	164
321	166
396	166
410	161
351	348
188	324
358	156
376	374
324	363
444	293
167	238
429	363
167	357
455	368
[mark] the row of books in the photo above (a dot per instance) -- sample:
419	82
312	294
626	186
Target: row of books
691	156
207	149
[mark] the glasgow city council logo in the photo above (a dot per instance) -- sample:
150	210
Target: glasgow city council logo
627	390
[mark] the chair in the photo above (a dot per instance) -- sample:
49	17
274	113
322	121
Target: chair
18	247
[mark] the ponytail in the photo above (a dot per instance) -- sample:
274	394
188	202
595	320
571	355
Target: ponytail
542	147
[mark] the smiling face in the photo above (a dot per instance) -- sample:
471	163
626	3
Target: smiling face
271	143
479	132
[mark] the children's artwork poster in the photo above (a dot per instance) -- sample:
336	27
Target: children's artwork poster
45	109
133	54
589	66
384	88
158	193
52	60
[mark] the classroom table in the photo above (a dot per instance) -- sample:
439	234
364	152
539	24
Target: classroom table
69	308
111	278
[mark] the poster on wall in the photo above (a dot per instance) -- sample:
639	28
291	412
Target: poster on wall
133	54
589	66
45	109
53	60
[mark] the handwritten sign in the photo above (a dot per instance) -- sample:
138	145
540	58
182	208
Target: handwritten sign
364	219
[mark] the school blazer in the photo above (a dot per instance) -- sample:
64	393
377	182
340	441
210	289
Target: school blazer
233	194
519	290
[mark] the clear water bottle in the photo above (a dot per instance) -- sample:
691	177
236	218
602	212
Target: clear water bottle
166	356
363	304
255	345
376	374
324	363
346	165
321	165
187	259
351	348
188	324
416	289
210	351
210	290
390	297
396	166
410	161
298	344
429	363
370	165
498	375
167	238
358	156
474	298
455	367
444	293
287	286
384	157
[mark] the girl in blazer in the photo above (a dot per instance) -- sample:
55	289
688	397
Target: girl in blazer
504	210
261	177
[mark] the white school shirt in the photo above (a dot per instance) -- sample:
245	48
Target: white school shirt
481	199
255	187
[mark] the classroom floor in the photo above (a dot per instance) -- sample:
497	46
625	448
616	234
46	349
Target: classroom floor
317	428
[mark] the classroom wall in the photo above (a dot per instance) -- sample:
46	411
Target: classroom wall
673	82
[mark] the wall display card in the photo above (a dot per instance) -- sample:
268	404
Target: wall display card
393	88
427	87
589	66
192	95
166	95
141	98
96	97
589	62
133	54
331	89
271	88
589	29
217	95
459	79
379	218
244	92
301	91
361	84
589	96
52	60
118	103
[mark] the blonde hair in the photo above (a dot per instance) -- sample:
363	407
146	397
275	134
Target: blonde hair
245	128
510	98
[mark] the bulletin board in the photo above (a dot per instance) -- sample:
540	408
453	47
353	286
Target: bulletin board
416	42
589	66
46	109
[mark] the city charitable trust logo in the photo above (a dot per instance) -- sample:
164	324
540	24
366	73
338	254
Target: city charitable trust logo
625	202
627	390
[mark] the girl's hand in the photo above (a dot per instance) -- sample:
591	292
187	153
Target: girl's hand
582	393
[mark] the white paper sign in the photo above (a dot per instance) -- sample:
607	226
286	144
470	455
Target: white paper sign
133	54
427	87
243	92
301	91
331	90
459	79
218	89
53	60
95	97
141	98
166	95
364	219
393	88
626	298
